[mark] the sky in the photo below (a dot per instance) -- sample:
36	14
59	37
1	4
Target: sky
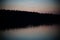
43	6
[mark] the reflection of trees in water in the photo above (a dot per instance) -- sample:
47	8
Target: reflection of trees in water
1	35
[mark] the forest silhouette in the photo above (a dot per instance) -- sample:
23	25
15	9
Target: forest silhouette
14	18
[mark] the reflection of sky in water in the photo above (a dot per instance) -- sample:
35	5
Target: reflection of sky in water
40	37
28	38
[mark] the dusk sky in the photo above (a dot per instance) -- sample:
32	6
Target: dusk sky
43	6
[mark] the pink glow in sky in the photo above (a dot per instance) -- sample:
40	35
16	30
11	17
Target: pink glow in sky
42	6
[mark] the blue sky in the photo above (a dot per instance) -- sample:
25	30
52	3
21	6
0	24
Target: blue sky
24	1
29	2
